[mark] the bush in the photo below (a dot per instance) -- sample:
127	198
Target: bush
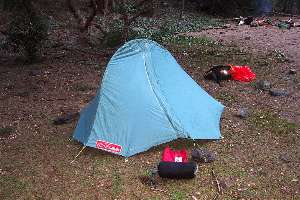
27	30
166	29
27	33
288	6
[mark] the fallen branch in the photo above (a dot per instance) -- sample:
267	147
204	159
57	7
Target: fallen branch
107	52
3	32
285	14
217	182
158	190
216	27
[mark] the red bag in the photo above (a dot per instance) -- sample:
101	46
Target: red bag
170	155
241	73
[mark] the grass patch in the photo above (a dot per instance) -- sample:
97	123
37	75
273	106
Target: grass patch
117	183
82	87
190	41
5	131
227	98
203	52
101	165
11	187
178	195
267	120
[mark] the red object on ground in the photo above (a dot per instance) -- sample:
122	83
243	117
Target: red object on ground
170	155
241	73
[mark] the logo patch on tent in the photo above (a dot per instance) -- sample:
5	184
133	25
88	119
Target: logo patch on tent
106	146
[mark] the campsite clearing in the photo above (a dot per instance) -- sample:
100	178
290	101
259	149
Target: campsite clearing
258	158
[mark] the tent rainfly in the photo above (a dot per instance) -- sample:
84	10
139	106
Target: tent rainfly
146	99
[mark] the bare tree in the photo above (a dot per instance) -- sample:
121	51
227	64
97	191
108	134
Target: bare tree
125	10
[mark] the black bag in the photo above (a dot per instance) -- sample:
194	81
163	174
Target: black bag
177	170
218	73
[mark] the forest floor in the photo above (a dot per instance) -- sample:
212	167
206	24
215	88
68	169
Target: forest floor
258	158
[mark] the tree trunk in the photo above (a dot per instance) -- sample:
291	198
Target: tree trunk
182	9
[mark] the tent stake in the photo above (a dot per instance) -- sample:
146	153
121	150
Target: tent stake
78	154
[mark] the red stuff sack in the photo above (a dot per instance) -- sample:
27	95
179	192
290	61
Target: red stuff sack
241	73
170	155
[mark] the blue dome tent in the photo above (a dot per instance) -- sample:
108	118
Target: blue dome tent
146	99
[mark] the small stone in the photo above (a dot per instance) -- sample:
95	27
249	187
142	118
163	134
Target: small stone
243	113
203	155
292	71
23	93
254	24
279	92
223	184
34	72
263	85
285	158
247	38
165	4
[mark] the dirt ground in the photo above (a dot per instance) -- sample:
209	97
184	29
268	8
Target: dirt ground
265	40
258	158
261	39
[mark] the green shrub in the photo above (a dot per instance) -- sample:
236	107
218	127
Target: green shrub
166	29
27	33
27	30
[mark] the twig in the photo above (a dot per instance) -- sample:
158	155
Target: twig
194	198
217	27
217	182
159	190
216	197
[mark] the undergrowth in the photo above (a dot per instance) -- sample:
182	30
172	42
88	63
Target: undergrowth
164	29
266	120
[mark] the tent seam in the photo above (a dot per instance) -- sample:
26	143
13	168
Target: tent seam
176	126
